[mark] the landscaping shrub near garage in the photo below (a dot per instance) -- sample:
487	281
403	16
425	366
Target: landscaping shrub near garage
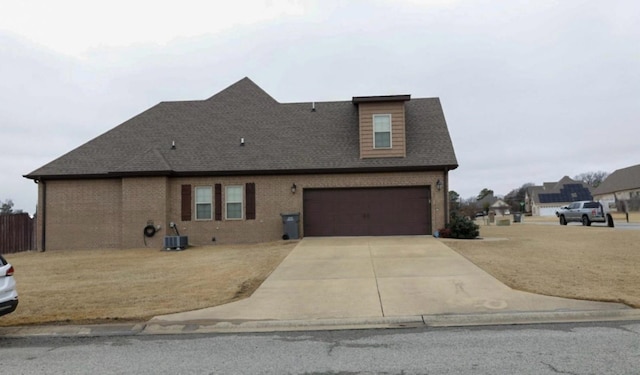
460	227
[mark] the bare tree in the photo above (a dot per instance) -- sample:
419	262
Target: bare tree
515	198
6	207
593	179
483	193
454	200
469	207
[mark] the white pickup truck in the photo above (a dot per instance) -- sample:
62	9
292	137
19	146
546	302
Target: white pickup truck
585	212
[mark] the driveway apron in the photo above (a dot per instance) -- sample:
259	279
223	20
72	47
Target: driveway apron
365	277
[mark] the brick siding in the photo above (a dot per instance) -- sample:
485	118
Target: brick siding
112	213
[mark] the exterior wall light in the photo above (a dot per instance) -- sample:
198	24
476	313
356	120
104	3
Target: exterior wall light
439	185
293	188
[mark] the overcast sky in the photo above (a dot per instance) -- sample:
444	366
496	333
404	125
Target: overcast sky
531	90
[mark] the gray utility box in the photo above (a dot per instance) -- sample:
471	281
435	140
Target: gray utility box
290	222
176	242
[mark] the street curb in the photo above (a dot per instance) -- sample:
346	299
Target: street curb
162	327
155	327
90	330
541	317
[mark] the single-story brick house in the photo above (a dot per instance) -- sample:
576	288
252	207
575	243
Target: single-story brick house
621	189
224	169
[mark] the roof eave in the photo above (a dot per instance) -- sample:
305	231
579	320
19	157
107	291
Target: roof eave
381	98
170	173
317	171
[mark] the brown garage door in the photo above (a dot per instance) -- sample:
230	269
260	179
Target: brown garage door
367	211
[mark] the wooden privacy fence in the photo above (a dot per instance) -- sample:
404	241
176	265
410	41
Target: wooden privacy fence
17	233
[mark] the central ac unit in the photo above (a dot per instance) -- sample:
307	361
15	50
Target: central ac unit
176	242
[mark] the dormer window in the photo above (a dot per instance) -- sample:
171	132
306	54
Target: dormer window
381	131
381	121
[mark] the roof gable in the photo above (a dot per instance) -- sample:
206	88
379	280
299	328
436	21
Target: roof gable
499	203
242	93
566	180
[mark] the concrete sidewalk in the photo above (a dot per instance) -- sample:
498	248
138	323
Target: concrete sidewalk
371	278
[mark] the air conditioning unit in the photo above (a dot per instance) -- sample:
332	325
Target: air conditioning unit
176	242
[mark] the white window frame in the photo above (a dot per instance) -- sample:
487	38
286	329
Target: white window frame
376	132
227	202
207	200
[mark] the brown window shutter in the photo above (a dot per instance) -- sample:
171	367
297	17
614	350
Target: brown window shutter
186	203
250	207
218	202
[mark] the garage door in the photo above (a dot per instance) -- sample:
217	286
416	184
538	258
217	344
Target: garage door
367	211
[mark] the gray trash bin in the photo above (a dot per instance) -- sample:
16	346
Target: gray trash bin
290	226
517	217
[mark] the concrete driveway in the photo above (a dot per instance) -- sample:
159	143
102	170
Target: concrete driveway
374	277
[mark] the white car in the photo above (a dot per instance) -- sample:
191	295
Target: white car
8	292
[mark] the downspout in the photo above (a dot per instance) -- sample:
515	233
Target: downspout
446	196
43	215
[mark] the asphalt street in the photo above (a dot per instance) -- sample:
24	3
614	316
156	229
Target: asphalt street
586	348
619	224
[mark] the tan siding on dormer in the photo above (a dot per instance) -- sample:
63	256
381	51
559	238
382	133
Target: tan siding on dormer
398	139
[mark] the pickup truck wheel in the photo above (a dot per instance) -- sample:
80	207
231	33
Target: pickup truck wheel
563	221
585	221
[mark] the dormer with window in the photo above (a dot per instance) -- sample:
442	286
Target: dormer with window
382	126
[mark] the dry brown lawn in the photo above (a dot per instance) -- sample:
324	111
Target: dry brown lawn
90	286
95	286
593	263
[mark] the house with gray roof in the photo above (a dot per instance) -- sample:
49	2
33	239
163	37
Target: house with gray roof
621	188
546	200
224	169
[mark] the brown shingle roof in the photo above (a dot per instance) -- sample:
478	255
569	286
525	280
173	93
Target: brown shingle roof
620	180
279	138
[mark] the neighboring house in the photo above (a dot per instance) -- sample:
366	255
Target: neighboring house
621	188
500	207
224	169
545	200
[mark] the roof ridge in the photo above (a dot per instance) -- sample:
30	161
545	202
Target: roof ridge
243	87
141	157
563	181
162	158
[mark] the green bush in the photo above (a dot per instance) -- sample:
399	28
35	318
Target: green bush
460	227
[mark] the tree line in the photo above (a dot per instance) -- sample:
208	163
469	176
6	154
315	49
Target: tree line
6	208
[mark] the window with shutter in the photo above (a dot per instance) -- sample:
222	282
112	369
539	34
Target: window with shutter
218	202
186	203
233	199
203	203
250	206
